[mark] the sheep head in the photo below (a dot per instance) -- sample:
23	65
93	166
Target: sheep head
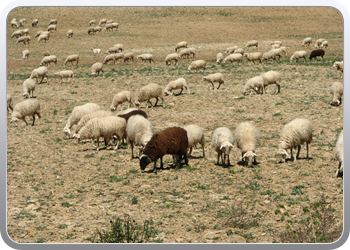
249	156
14	120
227	146
283	154
144	161
76	138
67	132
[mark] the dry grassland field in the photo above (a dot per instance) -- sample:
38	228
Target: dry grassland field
60	192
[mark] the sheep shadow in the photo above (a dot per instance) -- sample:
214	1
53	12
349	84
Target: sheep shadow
245	164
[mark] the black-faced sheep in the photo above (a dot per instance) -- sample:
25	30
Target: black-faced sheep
172	141
316	53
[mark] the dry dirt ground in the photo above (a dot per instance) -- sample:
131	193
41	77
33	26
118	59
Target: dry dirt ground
61	192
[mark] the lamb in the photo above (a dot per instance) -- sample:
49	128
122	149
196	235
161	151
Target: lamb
233	58
43	37
319	42
53	21
119	47
195	135
252	57
29	107
339	154
146	57
307	41
96	51
297	55
230	50
293	135
70	33
128	56
338	65
324	44
217	77
51	28
123	96
219	57
247	138
197	65
25	54
171	57
256	83
102	21
28	87
71	59
35	22
251	44
65	73
222	143
106	127
109	58
337	93
41	71
316	53
77	113
47	60
17	33
172	141
272	77
182	44
96	68
9	101
148	92
92	22
23	39
179	83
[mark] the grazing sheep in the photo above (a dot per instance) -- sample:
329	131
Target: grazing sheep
43	37
148	92
230	50
278	52
115	26
219	57
233	58
41	71
77	113
238	51
195	135
35	22
284	50
247	138
109	21
256	83
338	65
297	55
47	60
53	21
272	77
275	46
25	54
96	68
119	47
171	57
337	93
197	65
102	21
324	44
118	56
109	58
25	31
293	135
128	56
97	29
17	33
319	42
252	57
29	107
146	57
71	59
65	73
96	51
251	44
316	53
14	24
70	33
38	33
172	141
192	52
112	50
9	101
185	53
307	41
179	83
28	87
217	77
123	96
106	127
108	26
339	154
92	22
182	44
23	40
51	28
270	55
91	31
222	143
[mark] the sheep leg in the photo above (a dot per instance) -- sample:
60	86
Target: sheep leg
307	150
203	150
291	155
33	119
24	119
297	157
155	166
116	147
156	102
219	153
279	88
189	154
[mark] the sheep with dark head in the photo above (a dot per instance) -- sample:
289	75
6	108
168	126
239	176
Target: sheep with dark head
172	141
316	53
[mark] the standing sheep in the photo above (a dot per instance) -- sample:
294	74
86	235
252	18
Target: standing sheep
96	68
219	57
179	83
146	57
171	57
119	47
319	42
47	60
316	53
197	65
272	77
43	37
29	107
195	135
96	51
217	77
96	29
92	22
17	33
102	21
41	71
297	55
129	56
123	96
71	59
65	73
247	138
293	135
148	92
251	44
9	101
35	22
23	40
252	57
324	44
256	83
70	33
51	28
112	50
25	54
172	141
222	143
109	58
28	87
233	58
230	50
338	65
182	44
339	154
337	93
185	53
53	21
307	41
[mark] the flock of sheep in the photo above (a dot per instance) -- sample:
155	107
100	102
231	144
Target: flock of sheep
132	124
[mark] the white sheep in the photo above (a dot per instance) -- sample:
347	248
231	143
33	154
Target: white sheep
219	57
185	53
217	77
195	135
238	51
338	65
171	57
284	50
119	56
272	77
251	44
278	52
9	101
65	73
40	72
307	41
339	154
47	53
97	29
91	31
109	58
25	31
96	51
38	33
293	135
29	107
43	37
247	139
233	58
324	44
70	33
17	33
297	55
53	21
115	25
182	44
23	40
197	65
119	47
179	83
337	93
106	127
109	21
269	55
96	68
47	60
77	113
230	50
319	42
222	143
52	27
108	26
71	59
146	57
256	83
129	56
35	22
275	46
252	57
102	21
14	24
112	50
92	22
119	98
148	92
28	87
25	54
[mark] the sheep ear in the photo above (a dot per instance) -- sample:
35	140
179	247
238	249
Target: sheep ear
244	156
255	155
